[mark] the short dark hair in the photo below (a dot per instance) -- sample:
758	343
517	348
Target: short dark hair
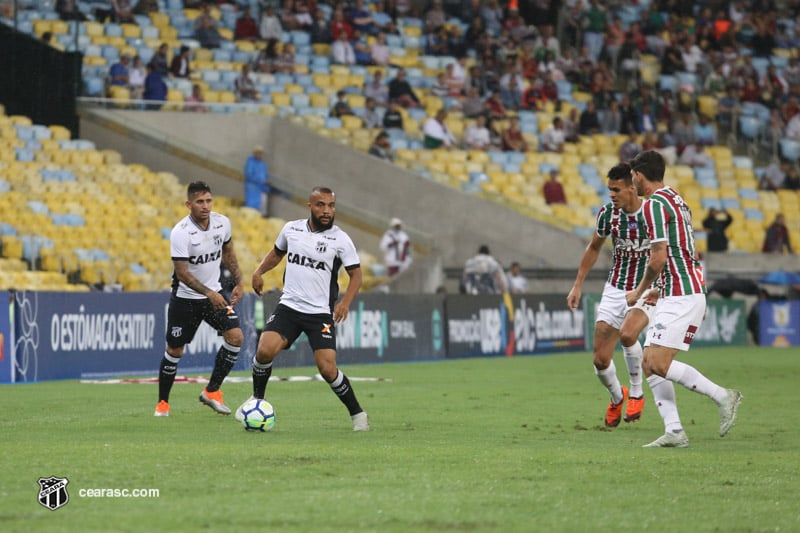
621	171
484	249
196	187
650	163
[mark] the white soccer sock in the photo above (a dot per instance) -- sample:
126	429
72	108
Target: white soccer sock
608	378
633	359
689	377
664	396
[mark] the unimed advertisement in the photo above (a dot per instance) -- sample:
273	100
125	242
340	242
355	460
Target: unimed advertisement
379	327
481	325
86	335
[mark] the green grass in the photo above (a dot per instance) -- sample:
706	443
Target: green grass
510	444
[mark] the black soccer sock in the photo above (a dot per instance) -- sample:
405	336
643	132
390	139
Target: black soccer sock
166	376
226	358
261	374
341	386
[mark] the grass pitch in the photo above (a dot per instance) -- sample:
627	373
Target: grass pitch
510	444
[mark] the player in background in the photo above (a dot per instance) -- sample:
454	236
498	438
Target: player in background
315	249
621	219
682	304
198	244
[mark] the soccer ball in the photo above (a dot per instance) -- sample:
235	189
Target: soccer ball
258	415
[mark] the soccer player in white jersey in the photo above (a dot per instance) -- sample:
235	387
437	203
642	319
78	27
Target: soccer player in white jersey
682	304
621	219
198	244
315	249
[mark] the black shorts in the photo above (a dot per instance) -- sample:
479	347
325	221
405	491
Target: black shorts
289	324
185	315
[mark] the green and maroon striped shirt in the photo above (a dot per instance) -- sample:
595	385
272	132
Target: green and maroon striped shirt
630	243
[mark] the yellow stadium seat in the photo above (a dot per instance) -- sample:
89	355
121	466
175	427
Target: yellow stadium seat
319	100
350	122
131	31
59	133
281	99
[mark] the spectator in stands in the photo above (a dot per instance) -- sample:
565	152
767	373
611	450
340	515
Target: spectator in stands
287	15
266	57
517	283
372	116
341	107
646	119
589	123
119	73
436	132
285	60
304	14
704	131
245	87
179	67
377	90
68	10
683	132
136	77
793	128
382	20
381	147
630	147
552	139
246	28
611	118
256	182
672	59
476	135
715	224
270	27
196	100
553	190
361	49
439	87
571	126
472	106
145	7
727	107
339	25
695	155
361	18
513	140
160	61
321	29
342	52
155	88
594	25
396	247
792	181
774	175
495	137
533	98
511	89
379	51
483	274
393	118
776	239
205	29
400	91
614	39
122	12
494	107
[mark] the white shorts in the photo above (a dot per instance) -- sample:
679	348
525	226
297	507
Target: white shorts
613	307
676	321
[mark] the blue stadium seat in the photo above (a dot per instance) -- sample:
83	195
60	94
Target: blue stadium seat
790	149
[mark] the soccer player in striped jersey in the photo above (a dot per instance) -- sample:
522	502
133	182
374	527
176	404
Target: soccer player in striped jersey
198	244
621	219
315	249
680	308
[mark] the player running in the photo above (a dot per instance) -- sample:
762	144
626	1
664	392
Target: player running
621	219
682	305
315	249
198	243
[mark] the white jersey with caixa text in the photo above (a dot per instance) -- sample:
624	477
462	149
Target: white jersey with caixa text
313	260
203	249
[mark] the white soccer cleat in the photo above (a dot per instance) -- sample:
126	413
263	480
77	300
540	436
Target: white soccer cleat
239	414
360	421
727	411
670	440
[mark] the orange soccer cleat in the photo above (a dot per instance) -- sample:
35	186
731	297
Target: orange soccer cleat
162	409
633	411
614	411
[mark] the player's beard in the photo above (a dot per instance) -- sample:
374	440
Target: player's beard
319	226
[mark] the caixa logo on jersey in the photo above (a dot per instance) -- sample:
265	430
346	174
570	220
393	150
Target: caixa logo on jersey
53	492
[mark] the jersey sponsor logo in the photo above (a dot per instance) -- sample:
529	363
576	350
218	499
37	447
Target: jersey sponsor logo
205	258
322	247
302	260
638	245
690	332
326	328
